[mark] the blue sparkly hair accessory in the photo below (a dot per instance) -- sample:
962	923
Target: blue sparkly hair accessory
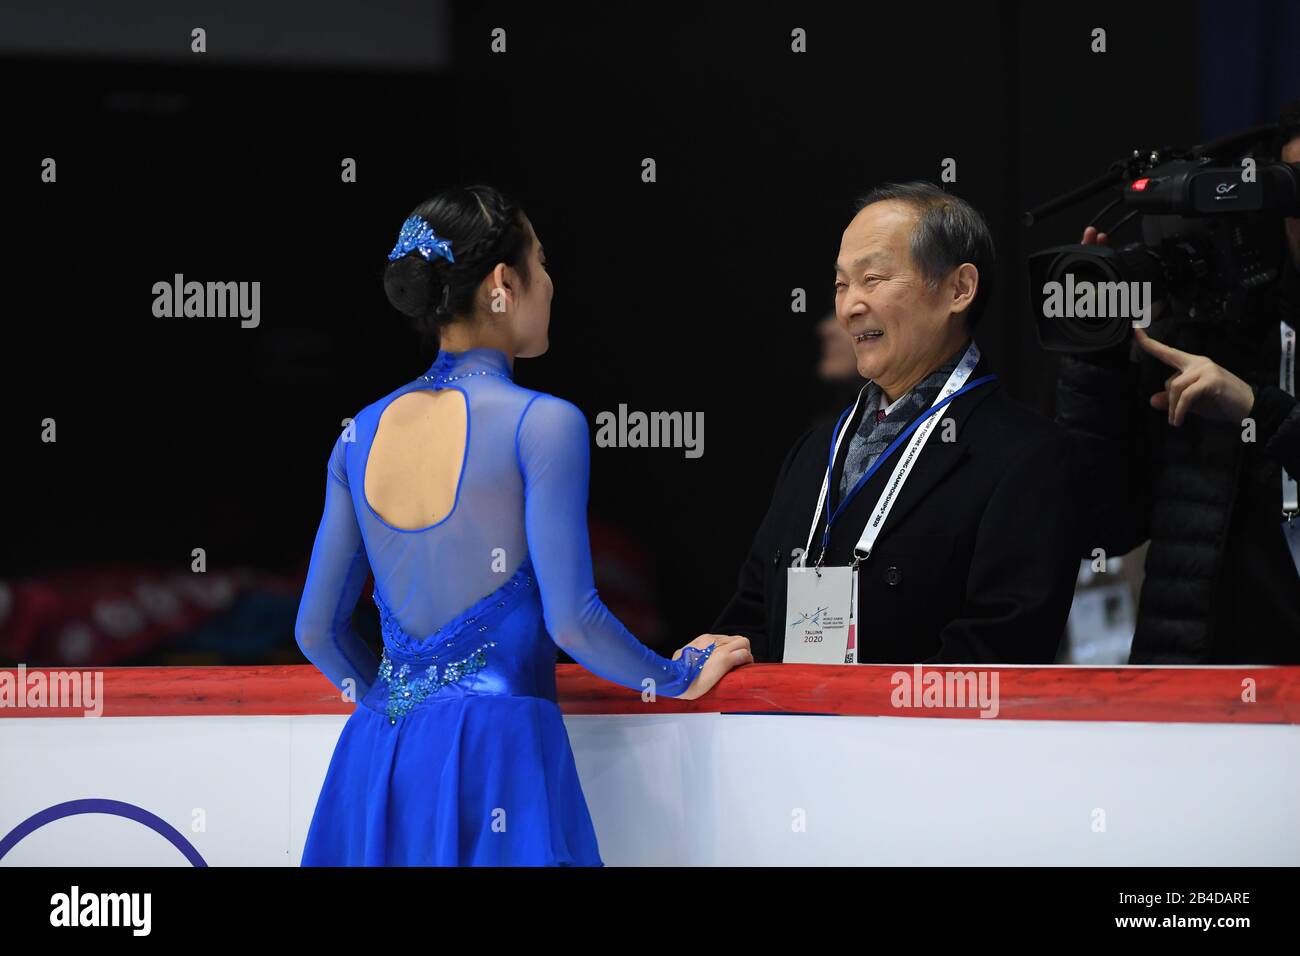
418	235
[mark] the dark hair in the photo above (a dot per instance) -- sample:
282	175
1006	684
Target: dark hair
484	228
1288	127
948	233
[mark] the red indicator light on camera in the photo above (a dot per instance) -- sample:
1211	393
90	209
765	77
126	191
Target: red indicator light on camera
1139	185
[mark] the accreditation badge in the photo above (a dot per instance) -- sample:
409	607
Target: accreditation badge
820	618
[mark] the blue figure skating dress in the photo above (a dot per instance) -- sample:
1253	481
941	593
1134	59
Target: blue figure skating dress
457	753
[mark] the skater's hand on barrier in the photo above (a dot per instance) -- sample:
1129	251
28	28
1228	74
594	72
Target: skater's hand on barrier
731	651
702	642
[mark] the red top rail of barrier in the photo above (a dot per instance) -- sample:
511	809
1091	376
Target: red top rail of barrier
1246	694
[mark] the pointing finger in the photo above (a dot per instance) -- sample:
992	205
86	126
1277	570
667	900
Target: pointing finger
1165	353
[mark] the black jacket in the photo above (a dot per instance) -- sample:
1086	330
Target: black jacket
976	562
1219	585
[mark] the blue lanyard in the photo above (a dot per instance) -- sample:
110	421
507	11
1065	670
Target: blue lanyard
880	459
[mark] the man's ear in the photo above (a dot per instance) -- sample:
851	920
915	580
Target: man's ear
966	282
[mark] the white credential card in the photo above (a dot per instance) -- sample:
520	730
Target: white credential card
818	611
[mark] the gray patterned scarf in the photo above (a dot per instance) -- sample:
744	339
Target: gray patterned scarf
874	433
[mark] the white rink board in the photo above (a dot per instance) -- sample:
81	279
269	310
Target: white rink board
708	789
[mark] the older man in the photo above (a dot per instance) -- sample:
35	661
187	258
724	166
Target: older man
944	530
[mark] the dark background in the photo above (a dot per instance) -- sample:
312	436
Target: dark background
181	433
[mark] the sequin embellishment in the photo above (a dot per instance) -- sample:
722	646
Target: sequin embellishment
411	682
404	691
417	235
438	379
695	659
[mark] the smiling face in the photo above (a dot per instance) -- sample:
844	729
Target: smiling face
902	329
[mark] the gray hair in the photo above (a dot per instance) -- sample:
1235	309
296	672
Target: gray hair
948	233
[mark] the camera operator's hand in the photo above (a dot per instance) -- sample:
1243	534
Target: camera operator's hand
1091	236
1200	385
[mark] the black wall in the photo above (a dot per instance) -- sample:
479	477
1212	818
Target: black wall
176	433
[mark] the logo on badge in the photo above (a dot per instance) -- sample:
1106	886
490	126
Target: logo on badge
806	618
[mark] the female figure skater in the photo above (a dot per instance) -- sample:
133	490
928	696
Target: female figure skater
466	495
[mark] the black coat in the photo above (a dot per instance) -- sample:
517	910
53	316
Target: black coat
976	562
1219	586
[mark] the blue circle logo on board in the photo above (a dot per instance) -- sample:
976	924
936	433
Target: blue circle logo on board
115	808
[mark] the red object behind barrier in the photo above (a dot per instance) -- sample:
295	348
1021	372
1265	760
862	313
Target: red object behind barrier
1160	694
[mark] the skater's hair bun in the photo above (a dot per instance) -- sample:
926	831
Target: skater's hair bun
483	228
414	288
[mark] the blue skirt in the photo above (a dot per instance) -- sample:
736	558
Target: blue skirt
476	780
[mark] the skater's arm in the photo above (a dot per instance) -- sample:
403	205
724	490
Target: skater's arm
554	457
335	577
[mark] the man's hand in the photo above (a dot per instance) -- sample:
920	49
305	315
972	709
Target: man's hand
1199	386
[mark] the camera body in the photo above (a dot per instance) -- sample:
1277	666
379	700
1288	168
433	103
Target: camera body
1211	235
